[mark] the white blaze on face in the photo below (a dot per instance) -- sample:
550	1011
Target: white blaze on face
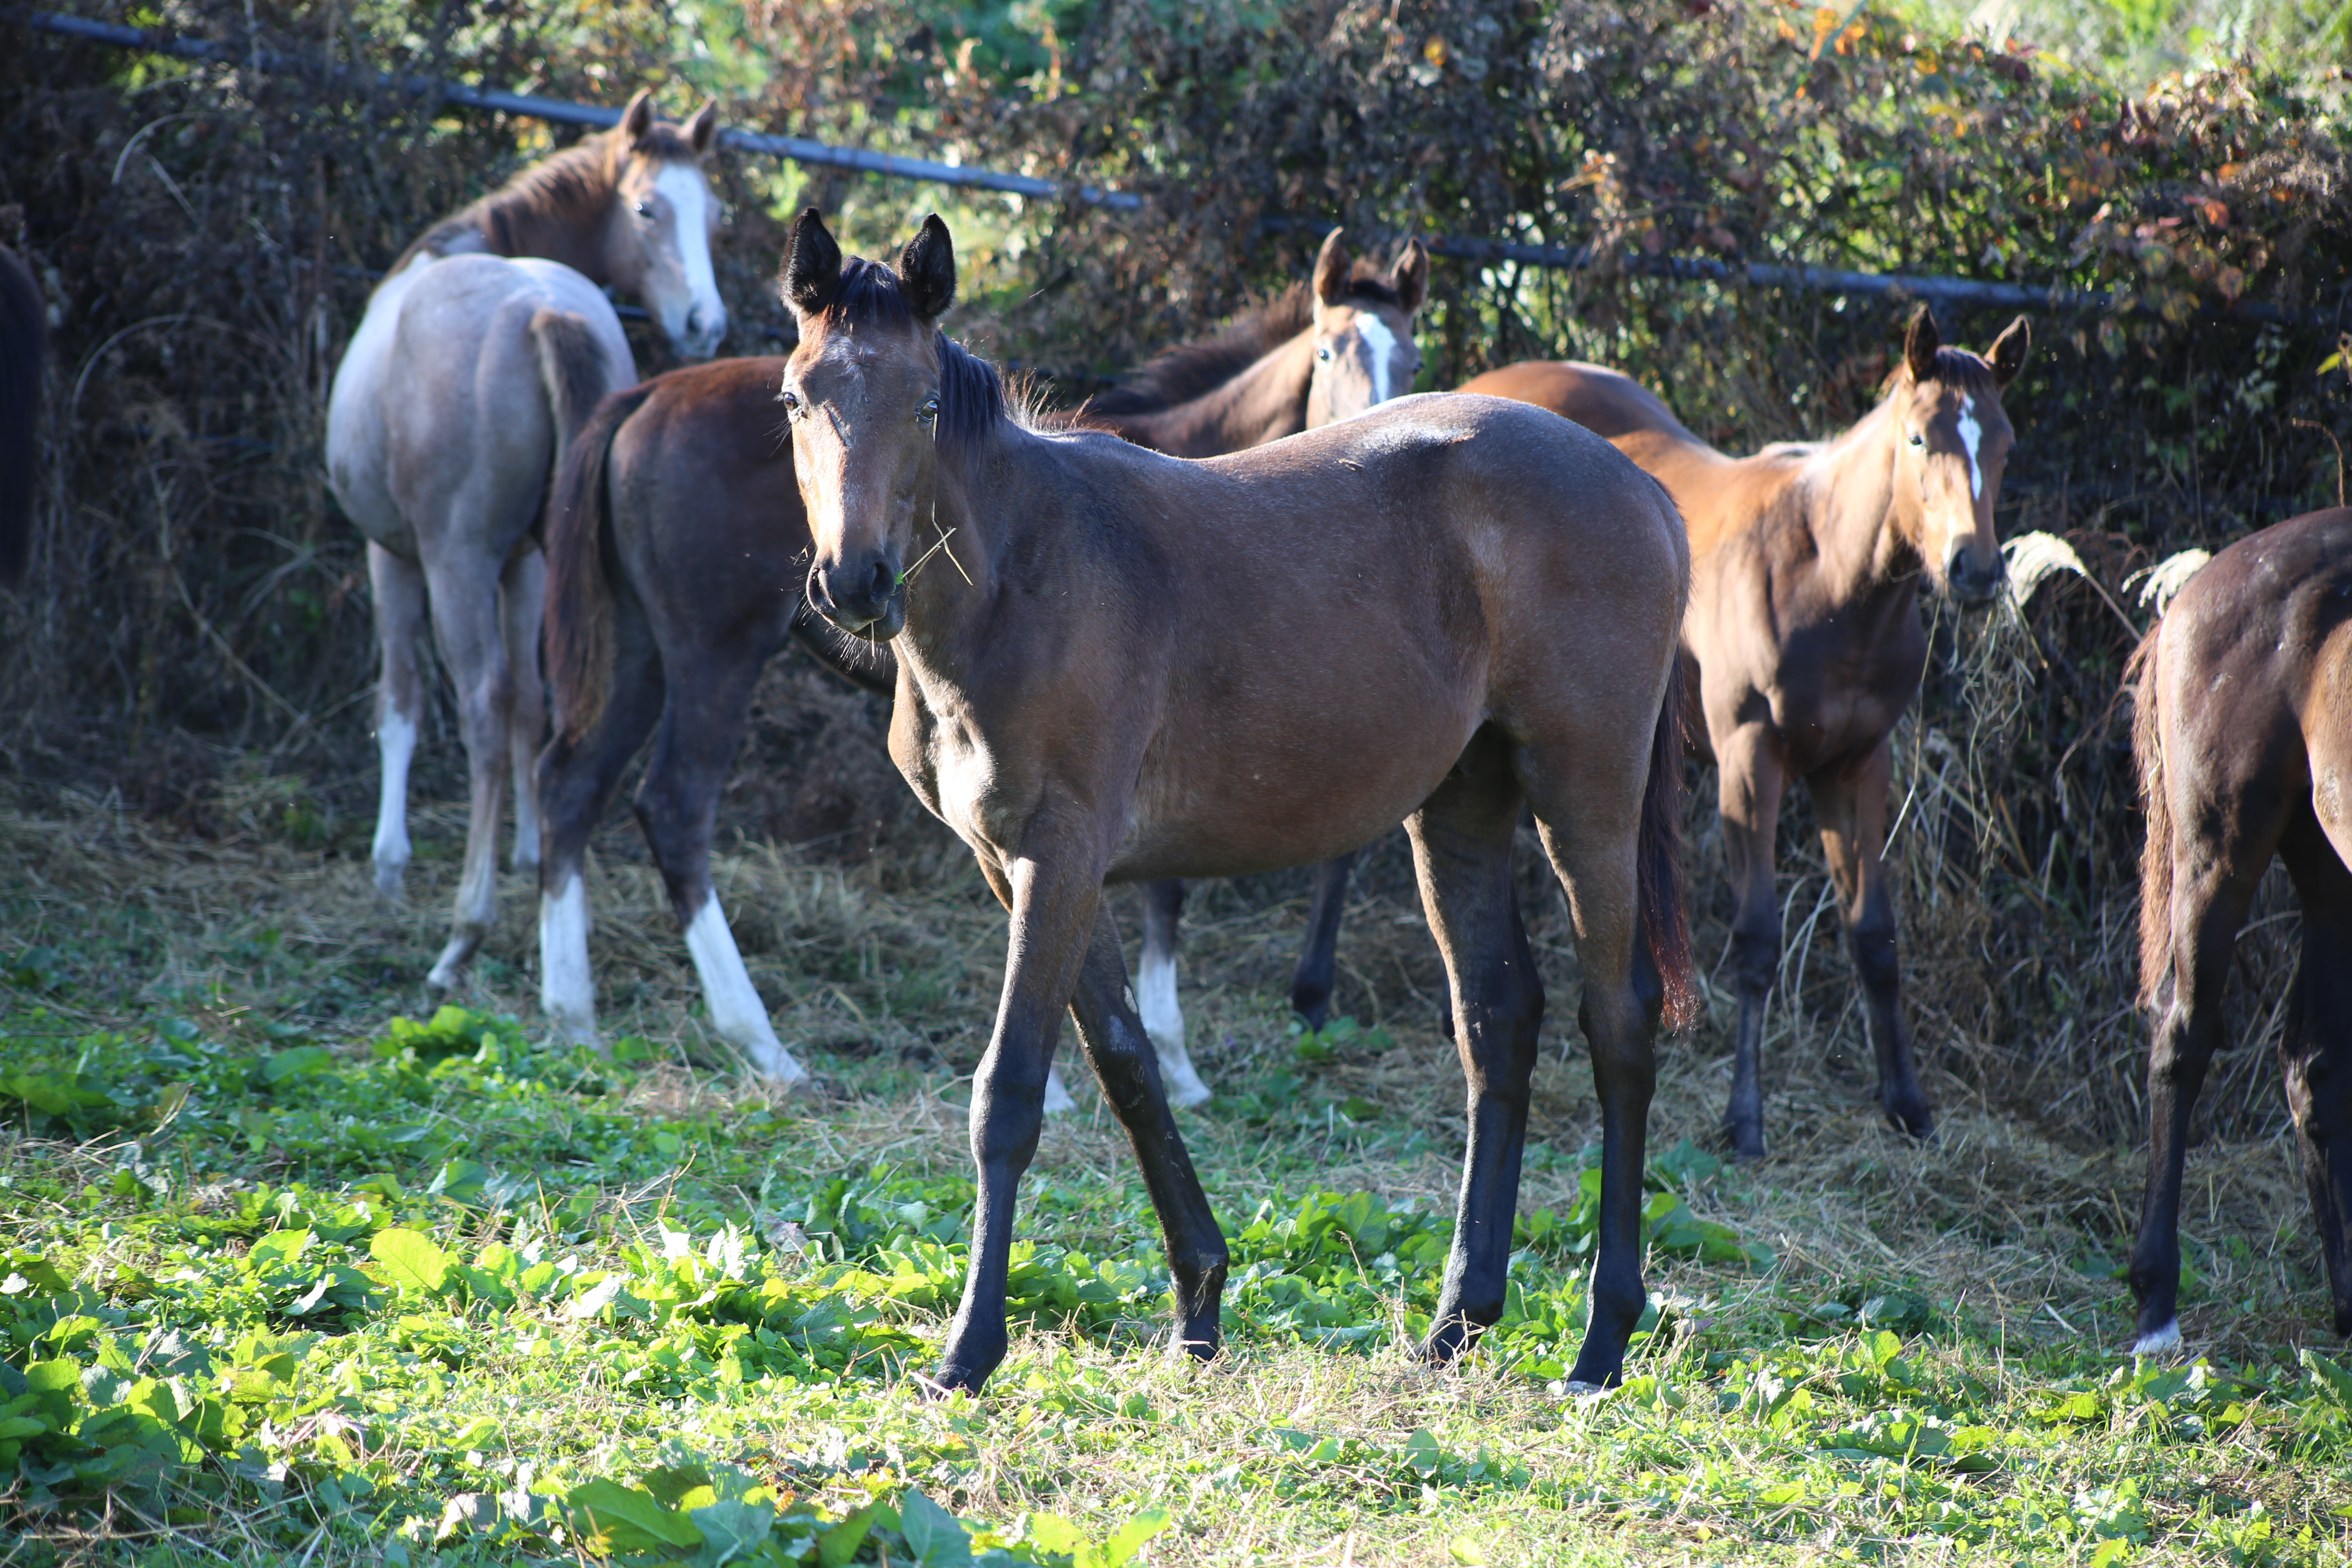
1380	343
1972	433
688	195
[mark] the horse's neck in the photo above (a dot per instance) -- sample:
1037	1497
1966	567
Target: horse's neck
1264	403
1849	503
513	224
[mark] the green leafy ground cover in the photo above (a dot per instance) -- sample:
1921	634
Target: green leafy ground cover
287	1277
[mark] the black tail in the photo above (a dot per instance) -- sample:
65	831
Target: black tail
24	344
580	609
1665	926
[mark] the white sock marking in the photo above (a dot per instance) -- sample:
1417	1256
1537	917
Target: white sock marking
395	744
2164	1339
736	1010
1380	343
1163	1020
1972	433
1058	1096
567	990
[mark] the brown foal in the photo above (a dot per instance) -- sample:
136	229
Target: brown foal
1804	627
2244	738
1119	665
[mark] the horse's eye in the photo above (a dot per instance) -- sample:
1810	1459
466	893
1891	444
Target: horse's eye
646	211
790	399
1323	353
1919	437
929	412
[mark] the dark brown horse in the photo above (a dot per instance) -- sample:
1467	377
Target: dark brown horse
2244	739
1806	560
1315	355
1121	666
24	347
675	549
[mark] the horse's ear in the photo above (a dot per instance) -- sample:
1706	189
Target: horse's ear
2007	355
1411	277
1921	344
1333	269
812	265
927	270
703	129
638	118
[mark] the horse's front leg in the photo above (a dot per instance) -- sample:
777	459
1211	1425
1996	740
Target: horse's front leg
1053	905
1852	801
1129	1068
1750	780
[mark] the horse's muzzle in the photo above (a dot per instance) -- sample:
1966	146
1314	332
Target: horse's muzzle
1975	581
865	596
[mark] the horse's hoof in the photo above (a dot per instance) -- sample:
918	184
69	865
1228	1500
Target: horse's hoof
2159	1340
1916	1121
776	1065
1186	1089
388	880
1747	1142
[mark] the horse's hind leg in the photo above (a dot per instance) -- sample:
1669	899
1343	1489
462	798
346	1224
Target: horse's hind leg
1155	984
2315	1056
576	776
1589	808
522	600
399	593
1851	802
677	806
1114	1042
1749	782
1462	850
1319	960
2214	875
466	628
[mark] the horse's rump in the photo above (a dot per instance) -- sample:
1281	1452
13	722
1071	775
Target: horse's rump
24	341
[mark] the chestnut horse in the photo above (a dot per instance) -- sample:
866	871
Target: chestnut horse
1312	356
2244	738
1804	628
1132	667
24	348
482	350
675	547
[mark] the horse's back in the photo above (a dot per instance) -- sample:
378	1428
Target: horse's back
441	397
1605	401
2254	672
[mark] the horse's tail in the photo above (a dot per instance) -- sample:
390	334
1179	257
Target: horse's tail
23	341
2155	855
580	606
572	368
1666	925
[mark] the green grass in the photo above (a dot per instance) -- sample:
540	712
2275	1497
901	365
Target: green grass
287	1277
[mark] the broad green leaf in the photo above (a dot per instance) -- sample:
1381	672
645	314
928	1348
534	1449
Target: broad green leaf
412	1260
837	1546
2330	1379
632	1520
731	1529
1121	1548
932	1534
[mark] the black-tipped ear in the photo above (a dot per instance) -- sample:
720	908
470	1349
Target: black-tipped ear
1410	277
2008	353
812	265
927	270
703	129
1921	344
1333	269
638	118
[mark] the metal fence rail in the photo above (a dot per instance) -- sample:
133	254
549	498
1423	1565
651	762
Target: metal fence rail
2054	299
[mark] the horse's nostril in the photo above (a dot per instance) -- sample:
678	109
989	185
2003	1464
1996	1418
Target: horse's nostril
883	581
694	321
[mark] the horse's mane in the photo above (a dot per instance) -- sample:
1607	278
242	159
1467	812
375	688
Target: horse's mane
1188	371
572	187
1962	368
